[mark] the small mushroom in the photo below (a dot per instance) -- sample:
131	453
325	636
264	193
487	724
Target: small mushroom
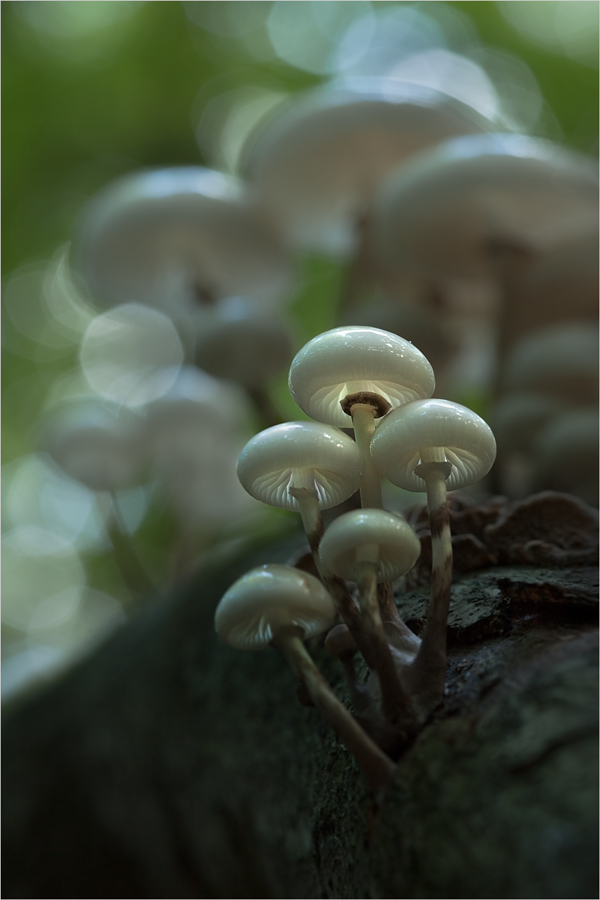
249	350
302	466
370	546
181	240
277	605
351	376
439	446
560	361
565	455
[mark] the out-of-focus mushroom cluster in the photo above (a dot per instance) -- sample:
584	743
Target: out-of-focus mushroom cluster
479	246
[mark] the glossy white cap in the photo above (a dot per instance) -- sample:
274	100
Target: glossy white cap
268	598
272	459
465	439
356	358
397	545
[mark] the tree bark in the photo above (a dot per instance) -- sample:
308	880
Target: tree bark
168	765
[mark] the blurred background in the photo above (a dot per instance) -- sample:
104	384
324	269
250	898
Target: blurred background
95	90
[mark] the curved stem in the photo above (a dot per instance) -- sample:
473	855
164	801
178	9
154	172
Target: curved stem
130	566
395	702
378	767
267	411
428	672
363	419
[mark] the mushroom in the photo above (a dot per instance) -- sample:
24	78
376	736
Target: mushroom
482	206
277	605
302	466
565	455
315	165
102	447
439	446
560	361
248	350
179	239
351	376
370	546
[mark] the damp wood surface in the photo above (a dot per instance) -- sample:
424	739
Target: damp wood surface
169	765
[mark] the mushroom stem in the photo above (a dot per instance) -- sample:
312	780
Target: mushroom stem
428	671
363	419
395	701
378	767
267	411
302	489
130	566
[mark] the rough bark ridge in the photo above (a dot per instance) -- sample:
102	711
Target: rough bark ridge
167	765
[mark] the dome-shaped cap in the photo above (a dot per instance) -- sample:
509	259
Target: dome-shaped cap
94	444
347	360
518	418
317	163
439	214
561	360
271	459
268	598
178	239
397	544
246	349
466	440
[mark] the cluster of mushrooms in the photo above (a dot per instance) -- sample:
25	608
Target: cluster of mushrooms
380	385
441	223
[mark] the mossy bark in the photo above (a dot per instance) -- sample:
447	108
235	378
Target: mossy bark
168	765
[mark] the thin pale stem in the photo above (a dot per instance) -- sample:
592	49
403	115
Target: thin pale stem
378	767
363	419
395	702
428	672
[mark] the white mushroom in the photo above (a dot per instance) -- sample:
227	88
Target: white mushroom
181	240
351	376
316	164
278	605
436	445
565	455
370	546
303	466
448	211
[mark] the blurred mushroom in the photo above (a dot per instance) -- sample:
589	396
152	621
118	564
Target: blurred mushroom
316	164
181	240
566	455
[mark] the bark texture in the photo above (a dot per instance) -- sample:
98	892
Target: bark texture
168	765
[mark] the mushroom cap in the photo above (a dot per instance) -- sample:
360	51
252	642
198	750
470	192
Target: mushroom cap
178	239
561	361
270	597
95	445
566	455
397	544
467	441
558	286
270	459
519	417
247	349
317	163
441	213
356	358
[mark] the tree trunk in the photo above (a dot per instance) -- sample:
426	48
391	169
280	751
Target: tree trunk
168	765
